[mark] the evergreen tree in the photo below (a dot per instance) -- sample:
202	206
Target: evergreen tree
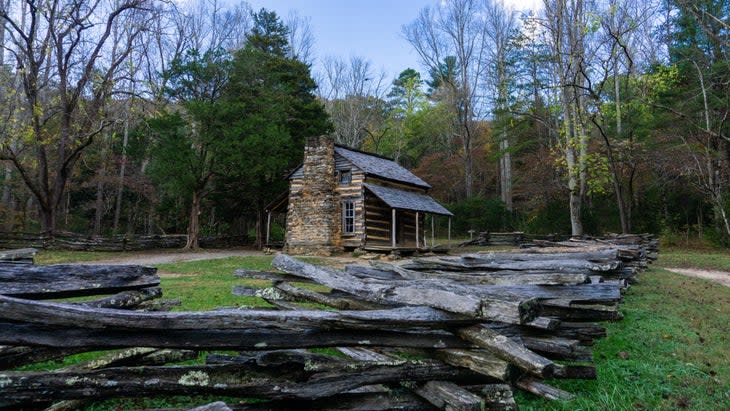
270	108
188	143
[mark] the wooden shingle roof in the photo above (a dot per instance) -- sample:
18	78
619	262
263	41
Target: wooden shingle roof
380	166
407	200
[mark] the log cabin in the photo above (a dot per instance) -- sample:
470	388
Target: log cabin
345	199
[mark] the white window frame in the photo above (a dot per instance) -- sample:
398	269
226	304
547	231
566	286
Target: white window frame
348	216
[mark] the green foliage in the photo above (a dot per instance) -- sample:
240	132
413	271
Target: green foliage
717	237
480	214
175	167
278	232
415	127
239	124
269	34
269	109
445	74
406	96
552	218
196	79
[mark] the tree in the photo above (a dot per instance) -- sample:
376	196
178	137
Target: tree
406	99
451	36
353	94
406	96
700	38
62	115
567	25
188	142
501	29
237	123
269	110
616	112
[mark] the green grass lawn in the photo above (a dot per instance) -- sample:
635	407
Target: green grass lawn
675	337
705	259
207	284
62	256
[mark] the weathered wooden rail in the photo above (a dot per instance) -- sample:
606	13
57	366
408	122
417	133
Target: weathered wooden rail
80	242
480	326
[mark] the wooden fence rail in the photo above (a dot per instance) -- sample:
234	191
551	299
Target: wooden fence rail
78	242
457	333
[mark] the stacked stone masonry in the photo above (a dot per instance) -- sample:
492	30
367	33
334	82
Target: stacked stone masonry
313	217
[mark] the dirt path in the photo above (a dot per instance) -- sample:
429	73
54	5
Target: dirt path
173	256
720	277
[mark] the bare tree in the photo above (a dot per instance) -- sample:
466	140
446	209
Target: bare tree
301	37
501	24
621	25
566	23
66	83
5	199
454	29
210	25
353	94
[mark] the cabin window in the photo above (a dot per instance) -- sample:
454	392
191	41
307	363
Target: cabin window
345	177
348	217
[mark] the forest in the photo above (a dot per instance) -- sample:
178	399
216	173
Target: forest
131	117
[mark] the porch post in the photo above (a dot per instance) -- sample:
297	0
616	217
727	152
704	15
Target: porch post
268	227
392	229
417	229
433	242
449	232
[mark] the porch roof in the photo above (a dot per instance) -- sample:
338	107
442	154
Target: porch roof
407	200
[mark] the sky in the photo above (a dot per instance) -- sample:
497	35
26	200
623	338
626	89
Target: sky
364	28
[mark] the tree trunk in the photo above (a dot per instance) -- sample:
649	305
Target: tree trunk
120	188
7	198
506	173
48	219
99	203
463	118
575	200
194	223
260	226
8	168
504	143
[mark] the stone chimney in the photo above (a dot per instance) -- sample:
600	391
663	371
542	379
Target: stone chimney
313	217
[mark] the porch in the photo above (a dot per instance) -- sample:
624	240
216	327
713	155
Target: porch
395	219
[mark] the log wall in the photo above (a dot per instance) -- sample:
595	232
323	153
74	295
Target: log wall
378	223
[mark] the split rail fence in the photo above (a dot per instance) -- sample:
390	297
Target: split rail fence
457	333
78	242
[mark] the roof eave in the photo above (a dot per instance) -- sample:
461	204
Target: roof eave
450	214
395	180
